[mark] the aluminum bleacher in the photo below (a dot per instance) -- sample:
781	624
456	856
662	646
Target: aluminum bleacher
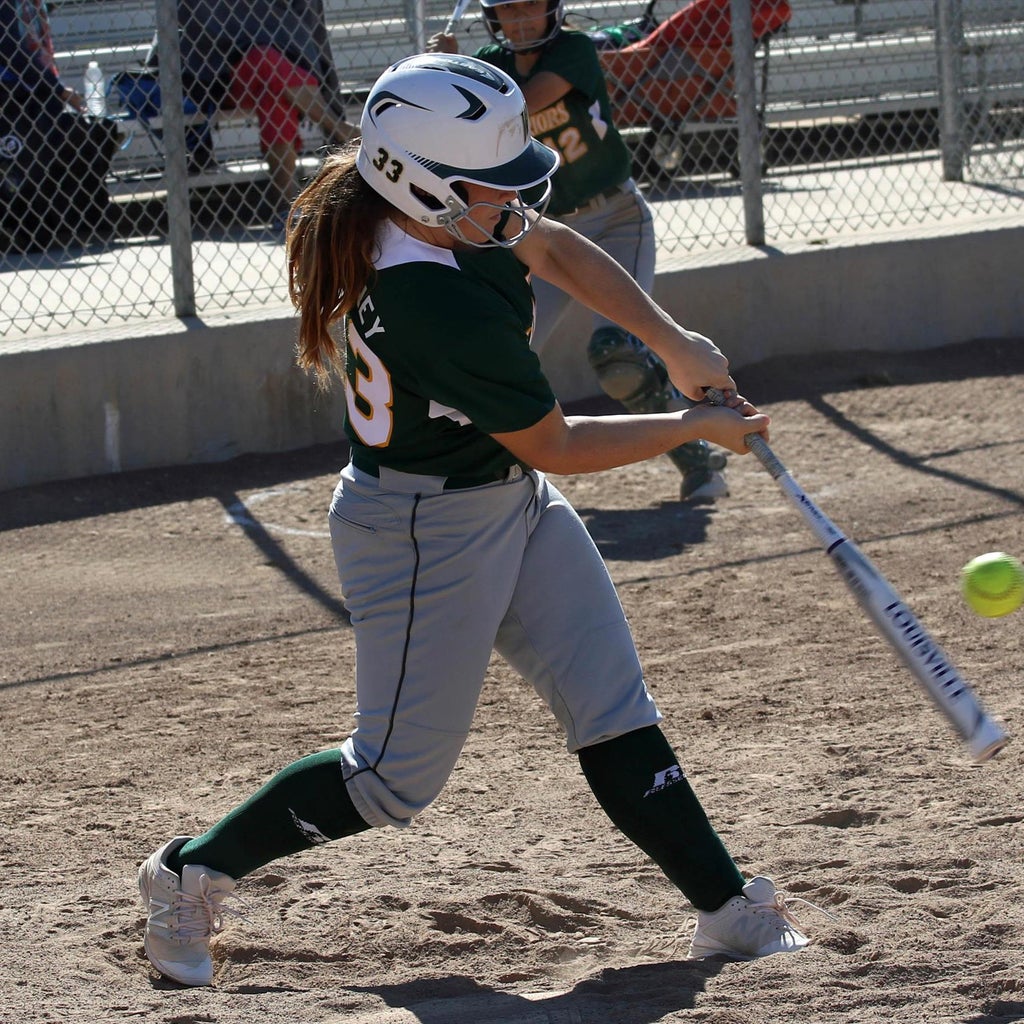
835	60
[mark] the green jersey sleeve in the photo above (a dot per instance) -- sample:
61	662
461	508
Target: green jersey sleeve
472	353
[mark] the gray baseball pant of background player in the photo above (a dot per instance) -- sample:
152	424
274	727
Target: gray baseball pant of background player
435	581
623	226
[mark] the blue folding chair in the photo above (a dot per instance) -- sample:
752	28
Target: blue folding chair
137	90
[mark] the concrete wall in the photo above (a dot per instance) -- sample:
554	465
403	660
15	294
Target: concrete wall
182	392
174	392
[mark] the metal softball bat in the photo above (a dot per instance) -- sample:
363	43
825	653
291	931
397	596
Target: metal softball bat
928	663
458	11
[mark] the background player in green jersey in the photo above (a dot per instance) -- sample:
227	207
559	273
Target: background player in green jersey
449	539
561	77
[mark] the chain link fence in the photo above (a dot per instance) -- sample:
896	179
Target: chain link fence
812	120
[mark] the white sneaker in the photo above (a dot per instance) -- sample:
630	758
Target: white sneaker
756	924
182	915
695	492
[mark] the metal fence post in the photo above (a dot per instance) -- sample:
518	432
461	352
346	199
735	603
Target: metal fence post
748	122
949	43
330	87
172	112
415	14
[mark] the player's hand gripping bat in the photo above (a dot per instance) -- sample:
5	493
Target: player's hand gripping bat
922	655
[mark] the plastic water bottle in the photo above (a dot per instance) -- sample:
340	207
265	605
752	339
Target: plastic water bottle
95	90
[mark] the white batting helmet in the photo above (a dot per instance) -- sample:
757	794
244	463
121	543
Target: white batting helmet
436	119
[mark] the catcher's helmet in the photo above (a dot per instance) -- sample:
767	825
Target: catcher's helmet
556	15
434	120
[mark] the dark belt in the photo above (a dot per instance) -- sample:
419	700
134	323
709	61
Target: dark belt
601	199
451	483
461	483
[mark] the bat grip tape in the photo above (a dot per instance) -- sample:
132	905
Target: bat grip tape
755	442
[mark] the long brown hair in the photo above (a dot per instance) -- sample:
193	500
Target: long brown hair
332	232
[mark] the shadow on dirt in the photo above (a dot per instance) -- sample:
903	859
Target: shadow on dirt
642	994
118	492
647	534
919	464
789	378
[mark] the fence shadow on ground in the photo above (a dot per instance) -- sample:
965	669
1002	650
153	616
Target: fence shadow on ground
790	378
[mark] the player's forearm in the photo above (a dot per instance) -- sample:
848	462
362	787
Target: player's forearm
580	268
606	442
577	266
587	444
590	444
543	90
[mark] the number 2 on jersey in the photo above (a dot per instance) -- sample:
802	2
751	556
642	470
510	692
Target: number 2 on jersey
569	144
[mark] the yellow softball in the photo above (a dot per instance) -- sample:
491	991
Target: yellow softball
993	584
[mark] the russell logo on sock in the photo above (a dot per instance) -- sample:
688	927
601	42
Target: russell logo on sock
666	778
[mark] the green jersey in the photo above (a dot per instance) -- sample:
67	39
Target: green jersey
438	358
579	126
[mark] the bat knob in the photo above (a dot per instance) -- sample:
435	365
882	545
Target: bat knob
986	741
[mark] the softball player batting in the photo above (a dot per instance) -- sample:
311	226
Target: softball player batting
592	191
450	542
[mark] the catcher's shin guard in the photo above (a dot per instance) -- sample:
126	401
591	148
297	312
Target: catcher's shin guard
632	374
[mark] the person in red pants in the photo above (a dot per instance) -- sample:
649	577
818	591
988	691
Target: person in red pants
264	57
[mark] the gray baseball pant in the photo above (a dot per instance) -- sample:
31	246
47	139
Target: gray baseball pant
436	580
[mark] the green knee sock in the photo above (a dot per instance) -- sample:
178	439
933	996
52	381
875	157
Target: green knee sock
304	805
637	780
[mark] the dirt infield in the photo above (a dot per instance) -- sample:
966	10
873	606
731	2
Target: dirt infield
172	638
